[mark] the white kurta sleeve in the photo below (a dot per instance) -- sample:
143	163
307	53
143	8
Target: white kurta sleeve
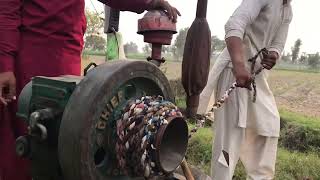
280	37
244	15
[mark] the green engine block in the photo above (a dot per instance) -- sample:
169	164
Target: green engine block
72	120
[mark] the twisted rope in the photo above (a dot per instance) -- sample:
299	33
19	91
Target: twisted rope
136	131
201	119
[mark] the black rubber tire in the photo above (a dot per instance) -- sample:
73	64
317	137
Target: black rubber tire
83	108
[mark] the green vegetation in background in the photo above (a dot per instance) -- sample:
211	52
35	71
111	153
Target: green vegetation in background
297	165
300	120
93	53
138	56
93	39
284	66
199	149
290	165
299	132
181	103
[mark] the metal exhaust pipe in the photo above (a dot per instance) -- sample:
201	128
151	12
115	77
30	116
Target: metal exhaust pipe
171	144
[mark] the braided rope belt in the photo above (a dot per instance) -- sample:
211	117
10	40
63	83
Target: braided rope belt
137	132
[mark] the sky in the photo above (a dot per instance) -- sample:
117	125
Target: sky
305	24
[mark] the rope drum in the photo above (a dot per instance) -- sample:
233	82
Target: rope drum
145	136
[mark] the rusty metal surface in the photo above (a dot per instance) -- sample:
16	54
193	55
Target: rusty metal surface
158	30
156	20
172	144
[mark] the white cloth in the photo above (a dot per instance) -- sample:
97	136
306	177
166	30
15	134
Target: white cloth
231	142
260	23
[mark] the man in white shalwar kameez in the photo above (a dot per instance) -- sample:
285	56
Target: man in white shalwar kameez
244	129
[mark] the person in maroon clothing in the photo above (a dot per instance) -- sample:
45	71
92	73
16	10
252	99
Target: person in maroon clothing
40	37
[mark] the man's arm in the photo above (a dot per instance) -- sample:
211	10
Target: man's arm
245	15
10	20
139	6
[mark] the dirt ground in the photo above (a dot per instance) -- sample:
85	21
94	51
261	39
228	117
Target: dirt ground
297	91
294	91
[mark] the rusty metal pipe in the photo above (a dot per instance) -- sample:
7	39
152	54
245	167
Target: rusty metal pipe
156	51
171	144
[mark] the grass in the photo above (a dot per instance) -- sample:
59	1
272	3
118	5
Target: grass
296	67
199	149
93	53
299	132
137	56
295	165
181	103
290	165
300	119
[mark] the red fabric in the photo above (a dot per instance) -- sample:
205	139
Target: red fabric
49	44
39	37
9	33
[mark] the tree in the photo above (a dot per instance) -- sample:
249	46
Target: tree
165	49
178	46
131	48
296	50
217	45
314	60
303	58
95	42
286	57
94	23
147	49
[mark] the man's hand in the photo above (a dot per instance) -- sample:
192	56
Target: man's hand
270	60
243	77
7	87
171	11
240	72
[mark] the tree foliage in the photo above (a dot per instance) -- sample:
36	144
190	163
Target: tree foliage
296	50
314	60
95	42
166	49
131	48
217	45
178	46
94	23
147	49
93	39
303	58
286	57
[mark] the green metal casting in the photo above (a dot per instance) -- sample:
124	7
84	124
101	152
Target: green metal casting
46	92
